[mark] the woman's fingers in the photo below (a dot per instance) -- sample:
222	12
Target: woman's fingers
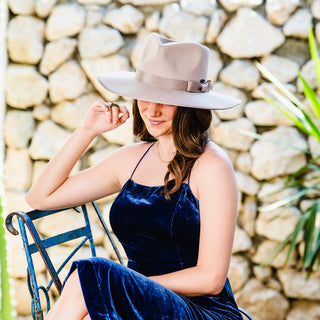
115	109
116	114
124	114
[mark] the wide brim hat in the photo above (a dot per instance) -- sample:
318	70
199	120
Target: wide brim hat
169	72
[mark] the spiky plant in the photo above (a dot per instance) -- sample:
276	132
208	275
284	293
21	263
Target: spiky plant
307	178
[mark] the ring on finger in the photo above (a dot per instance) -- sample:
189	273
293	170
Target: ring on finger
108	105
114	105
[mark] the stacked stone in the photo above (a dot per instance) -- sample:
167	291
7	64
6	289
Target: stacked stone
55	50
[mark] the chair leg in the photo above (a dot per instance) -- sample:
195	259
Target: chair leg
36	309
39	315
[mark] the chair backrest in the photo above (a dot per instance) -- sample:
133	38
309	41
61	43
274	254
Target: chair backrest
26	221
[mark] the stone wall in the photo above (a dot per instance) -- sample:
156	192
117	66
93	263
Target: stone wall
56	48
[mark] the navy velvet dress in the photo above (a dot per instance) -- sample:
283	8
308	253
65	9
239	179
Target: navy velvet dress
159	237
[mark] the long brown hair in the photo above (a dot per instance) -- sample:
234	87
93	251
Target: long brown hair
190	135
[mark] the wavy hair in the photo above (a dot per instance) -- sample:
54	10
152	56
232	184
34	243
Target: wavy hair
190	136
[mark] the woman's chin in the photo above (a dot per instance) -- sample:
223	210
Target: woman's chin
158	132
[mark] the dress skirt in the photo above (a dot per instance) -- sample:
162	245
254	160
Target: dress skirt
112	291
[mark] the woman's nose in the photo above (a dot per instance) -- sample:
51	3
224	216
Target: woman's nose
154	109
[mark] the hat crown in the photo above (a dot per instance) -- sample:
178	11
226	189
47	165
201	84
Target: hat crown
168	59
169	72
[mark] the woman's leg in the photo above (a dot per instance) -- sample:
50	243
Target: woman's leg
71	304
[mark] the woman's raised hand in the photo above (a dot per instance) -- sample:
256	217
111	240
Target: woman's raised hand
104	116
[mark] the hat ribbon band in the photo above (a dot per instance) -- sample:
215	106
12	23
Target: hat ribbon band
169	83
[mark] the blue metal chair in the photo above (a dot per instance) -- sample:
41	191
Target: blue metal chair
25	220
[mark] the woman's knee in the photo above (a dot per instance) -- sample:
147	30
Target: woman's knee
71	304
72	287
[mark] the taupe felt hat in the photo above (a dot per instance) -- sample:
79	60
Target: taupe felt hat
169	72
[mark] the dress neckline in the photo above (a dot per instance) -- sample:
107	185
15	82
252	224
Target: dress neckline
140	185
144	185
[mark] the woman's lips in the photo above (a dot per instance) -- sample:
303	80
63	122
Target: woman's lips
155	122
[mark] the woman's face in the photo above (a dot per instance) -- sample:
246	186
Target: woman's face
157	117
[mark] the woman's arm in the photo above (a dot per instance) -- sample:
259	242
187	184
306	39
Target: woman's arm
55	188
213	181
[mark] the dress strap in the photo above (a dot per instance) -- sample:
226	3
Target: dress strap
135	168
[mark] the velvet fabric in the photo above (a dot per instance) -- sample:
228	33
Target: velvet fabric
159	236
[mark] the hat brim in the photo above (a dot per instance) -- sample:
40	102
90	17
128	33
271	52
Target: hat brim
124	83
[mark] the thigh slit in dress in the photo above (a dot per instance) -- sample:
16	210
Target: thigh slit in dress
159	236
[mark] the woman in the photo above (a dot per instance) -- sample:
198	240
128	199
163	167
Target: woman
176	210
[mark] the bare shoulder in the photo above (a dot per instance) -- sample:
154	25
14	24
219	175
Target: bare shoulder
212	169
126	158
213	158
131	151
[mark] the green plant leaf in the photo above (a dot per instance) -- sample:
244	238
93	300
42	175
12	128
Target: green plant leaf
295	233
315	261
314	129
317	254
277	250
293	108
6	308
309	233
314	54
278	84
299	123
293	177
282	202
311	255
287	102
311	95
262	138
311	237
291	239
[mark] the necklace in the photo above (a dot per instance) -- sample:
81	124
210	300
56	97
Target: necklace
158	151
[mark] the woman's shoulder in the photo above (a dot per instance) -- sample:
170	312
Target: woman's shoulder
213	162
214	155
133	150
125	159
128	155
212	170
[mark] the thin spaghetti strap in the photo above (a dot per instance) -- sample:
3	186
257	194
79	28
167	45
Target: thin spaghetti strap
135	168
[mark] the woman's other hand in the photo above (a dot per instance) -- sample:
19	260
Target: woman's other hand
104	116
